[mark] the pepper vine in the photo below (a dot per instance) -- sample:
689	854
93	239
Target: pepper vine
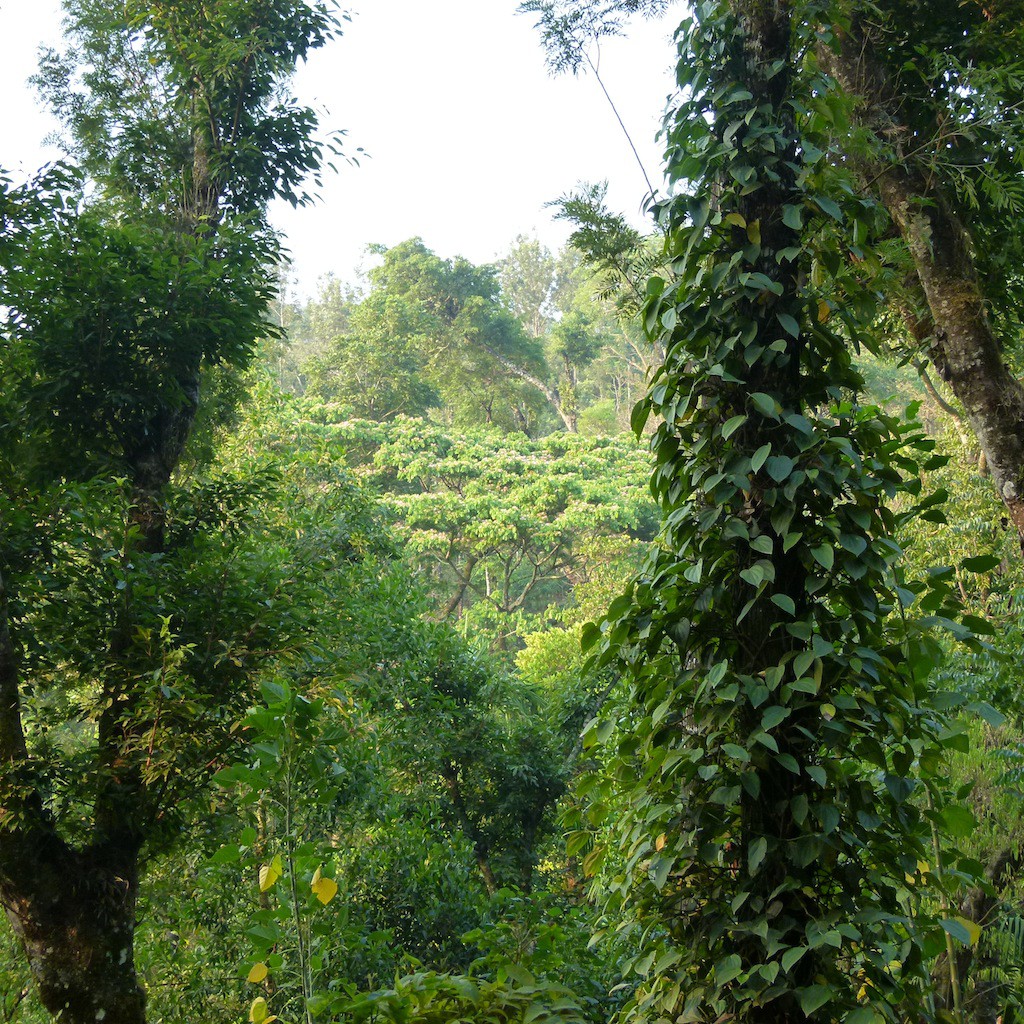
776	778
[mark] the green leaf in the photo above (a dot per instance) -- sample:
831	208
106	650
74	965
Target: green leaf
959	820
773	716
732	425
829	207
727	969
756	853
957	929
987	713
765	404
589	636
824	555
793	216
791	956
755	575
981	563
863	1015
757	460
737	753
779	467
899	788
789	324
814	997
226	855
638	417
853	543
660	869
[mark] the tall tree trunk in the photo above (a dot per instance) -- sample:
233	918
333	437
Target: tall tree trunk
766	29
964	348
73	908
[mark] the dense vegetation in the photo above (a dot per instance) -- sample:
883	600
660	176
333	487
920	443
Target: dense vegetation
358	662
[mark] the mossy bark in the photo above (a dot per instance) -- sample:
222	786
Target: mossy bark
964	348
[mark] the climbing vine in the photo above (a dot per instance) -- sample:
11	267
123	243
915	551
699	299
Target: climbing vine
776	775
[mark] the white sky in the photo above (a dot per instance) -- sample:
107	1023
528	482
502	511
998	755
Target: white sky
468	135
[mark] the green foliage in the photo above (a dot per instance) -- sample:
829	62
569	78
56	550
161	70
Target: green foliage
175	104
296	777
621	257
547	935
430	998
106	323
374	370
431	332
501	524
977	543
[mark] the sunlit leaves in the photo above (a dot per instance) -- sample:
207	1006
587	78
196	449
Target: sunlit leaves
257	973
259	1012
270	874
325	889
512	520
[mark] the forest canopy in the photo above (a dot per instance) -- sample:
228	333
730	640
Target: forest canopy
622	634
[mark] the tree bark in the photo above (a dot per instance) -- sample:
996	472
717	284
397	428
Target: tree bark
565	414
964	349
74	913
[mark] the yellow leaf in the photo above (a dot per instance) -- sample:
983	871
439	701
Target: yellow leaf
736	218
828	712
325	889
824	311
659	843
259	1012
754	232
973	928
257	974
270	873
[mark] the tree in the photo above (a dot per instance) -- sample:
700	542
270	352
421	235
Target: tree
774	775
504	526
938	92
527	275
477	352
374	368
113	308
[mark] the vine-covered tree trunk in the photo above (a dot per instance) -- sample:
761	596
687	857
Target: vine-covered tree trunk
769	774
